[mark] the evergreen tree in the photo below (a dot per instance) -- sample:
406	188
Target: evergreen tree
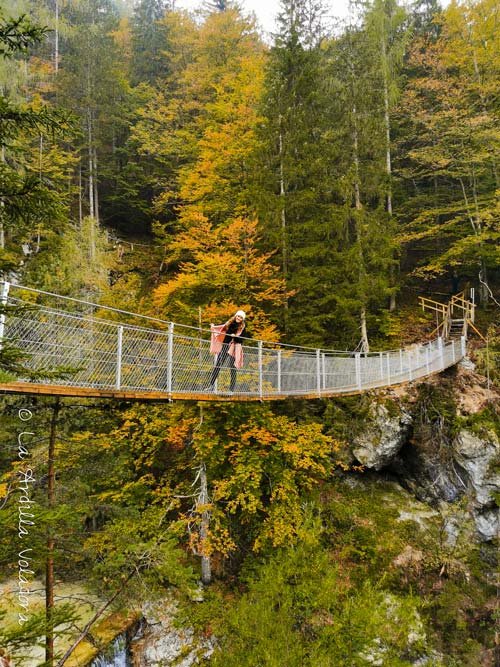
365	239
424	15
386	29
149	42
294	164
321	189
92	83
33	170
217	5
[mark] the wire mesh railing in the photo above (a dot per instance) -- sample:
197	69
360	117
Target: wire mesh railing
174	359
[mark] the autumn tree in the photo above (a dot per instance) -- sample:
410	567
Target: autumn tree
225	271
214	257
205	119
258	465
450	171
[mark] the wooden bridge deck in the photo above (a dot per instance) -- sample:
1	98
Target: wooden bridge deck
38	389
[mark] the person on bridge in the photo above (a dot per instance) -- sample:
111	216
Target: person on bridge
226	343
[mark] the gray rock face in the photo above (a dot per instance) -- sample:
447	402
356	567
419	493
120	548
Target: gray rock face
429	475
449	471
487	523
476	455
383	437
431	465
163	644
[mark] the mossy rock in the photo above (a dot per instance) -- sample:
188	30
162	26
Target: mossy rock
103	634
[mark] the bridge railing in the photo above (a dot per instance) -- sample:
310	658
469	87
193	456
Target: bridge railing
175	359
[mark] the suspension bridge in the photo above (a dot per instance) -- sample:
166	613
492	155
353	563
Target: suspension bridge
72	347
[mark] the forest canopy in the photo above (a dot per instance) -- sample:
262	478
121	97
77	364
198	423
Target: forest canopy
182	165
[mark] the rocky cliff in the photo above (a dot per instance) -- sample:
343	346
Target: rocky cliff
440	439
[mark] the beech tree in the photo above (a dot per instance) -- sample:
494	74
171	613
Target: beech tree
225	271
204	119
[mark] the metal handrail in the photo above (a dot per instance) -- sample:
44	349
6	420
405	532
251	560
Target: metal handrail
167	323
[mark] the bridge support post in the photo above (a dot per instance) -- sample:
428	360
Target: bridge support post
427	360
441	351
119	343
318	372
279	371
170	356
3	301
453	353
408	356
260	367
462	346
357	363
381	355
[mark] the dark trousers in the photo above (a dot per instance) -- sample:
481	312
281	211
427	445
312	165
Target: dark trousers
222	357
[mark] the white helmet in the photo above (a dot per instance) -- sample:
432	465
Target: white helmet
241	313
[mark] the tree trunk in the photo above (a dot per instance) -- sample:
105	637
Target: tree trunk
476	224
40	157
56	39
484	292
284	244
49	564
483	275
96	192
365	347
203	499
2	207
80	196
485	109
92	206
388	160
392	297
91	168
357	204
357	195
387	123
283	212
